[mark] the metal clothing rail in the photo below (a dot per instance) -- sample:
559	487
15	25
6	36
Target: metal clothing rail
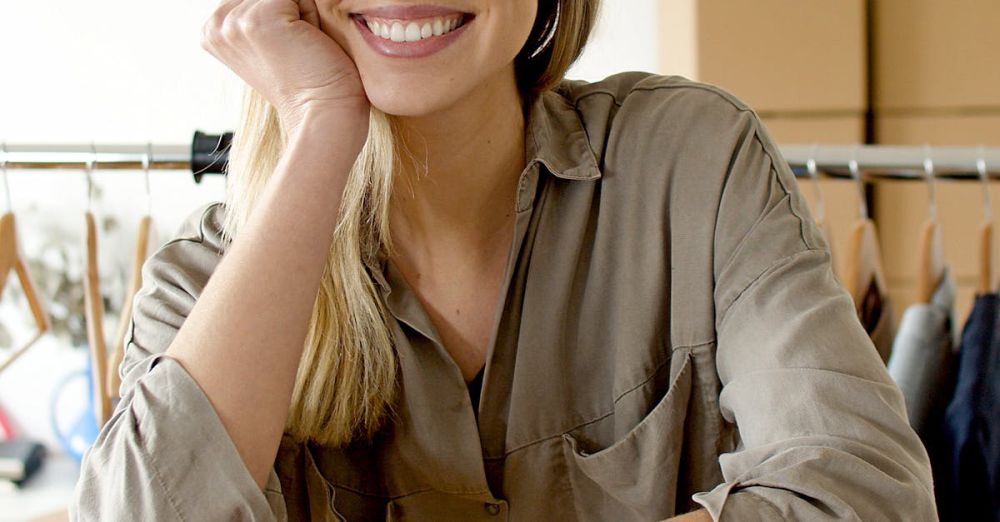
208	154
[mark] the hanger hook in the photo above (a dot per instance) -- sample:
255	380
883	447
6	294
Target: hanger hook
814	174
3	168
984	175
88	171
147	160
929	173
856	175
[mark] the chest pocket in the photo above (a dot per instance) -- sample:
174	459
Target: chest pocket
635	477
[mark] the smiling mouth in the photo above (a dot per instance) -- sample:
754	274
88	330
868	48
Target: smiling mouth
414	29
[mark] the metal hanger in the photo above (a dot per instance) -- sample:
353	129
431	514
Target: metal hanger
820	214
141	253
864	257
11	259
931	254
985	230
94	305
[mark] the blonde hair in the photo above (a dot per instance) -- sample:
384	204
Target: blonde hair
346	383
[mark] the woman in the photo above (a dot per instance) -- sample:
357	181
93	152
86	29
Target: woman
456	287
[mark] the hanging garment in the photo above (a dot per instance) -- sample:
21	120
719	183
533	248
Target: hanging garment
923	357
875	312
970	463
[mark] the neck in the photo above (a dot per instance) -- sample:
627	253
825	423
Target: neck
459	171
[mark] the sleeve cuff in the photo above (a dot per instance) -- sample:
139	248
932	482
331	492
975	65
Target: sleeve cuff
191	454
727	502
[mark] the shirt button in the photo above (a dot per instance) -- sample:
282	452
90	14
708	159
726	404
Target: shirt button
492	509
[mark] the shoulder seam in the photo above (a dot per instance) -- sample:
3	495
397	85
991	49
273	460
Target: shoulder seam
200	238
729	98
788	191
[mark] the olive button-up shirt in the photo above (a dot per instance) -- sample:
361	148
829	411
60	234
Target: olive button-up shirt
671	336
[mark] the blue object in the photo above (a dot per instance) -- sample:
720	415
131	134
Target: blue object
972	422
84	430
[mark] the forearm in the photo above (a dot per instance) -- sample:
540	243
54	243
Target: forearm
243	339
695	516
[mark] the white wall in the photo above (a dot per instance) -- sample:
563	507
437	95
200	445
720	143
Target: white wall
625	39
114	71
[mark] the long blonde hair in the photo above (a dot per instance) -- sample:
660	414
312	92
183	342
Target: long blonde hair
346	383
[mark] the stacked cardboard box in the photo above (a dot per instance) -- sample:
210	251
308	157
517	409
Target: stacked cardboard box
936	80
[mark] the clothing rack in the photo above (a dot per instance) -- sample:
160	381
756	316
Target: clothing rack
208	154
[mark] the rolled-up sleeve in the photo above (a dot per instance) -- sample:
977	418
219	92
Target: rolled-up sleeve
823	429
164	454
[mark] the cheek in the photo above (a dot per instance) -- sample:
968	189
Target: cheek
511	27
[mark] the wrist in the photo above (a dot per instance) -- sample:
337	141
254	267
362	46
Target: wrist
348	124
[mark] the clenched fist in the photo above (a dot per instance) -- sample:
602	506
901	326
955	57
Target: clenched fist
278	48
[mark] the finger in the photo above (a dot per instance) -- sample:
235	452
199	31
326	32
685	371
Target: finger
223	10
309	11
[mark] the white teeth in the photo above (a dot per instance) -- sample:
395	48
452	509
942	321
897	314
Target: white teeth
397	34
412	31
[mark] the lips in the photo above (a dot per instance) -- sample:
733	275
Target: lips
411	31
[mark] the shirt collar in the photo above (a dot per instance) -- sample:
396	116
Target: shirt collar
555	137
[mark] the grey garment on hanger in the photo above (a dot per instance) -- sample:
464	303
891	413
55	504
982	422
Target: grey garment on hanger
923	354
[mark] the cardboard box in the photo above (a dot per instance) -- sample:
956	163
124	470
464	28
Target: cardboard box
779	56
958	130
843	130
929	54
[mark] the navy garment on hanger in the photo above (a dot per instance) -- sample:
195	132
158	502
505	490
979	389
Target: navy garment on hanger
972	422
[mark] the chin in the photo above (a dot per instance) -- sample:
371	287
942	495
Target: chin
412	97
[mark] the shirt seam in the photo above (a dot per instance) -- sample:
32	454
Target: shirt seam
789	193
767	504
200	238
159	478
685	84
767	270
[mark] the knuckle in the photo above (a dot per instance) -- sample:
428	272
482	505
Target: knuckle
230	29
249	24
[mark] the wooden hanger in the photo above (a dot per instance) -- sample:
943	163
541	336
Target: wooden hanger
864	256
106	377
985	283
931	254
141	253
11	259
142	243
94	314
864	261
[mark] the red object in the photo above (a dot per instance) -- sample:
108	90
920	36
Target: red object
6	432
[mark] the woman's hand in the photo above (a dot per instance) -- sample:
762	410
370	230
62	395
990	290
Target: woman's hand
277	47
